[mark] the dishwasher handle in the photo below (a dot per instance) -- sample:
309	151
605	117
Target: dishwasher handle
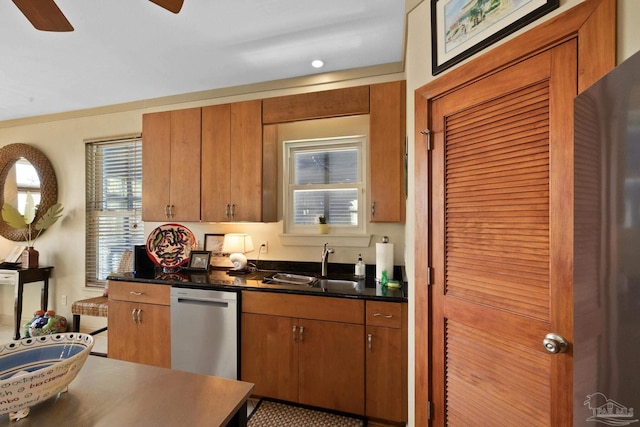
203	301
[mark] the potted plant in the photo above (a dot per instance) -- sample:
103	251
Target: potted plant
31	232
323	227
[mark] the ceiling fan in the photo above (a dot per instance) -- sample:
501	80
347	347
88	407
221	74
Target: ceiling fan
46	16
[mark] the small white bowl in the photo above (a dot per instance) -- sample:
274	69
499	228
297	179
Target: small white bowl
35	369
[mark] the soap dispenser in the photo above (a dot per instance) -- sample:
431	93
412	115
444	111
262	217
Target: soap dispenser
360	268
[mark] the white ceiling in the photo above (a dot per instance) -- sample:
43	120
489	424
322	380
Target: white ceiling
130	50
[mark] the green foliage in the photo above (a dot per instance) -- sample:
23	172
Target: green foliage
322	219
15	219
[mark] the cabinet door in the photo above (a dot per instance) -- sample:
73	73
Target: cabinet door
269	356
331	365
246	161
171	165
156	163
185	165
387	148
384	381
123	331
139	336
216	158
153	341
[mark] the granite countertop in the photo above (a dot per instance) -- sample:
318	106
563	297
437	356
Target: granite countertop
217	279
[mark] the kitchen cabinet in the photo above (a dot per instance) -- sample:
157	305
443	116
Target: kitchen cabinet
386	361
304	349
387	146
139	323
171	165
232	162
348	101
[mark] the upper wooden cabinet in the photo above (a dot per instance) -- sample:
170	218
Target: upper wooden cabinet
232	162
387	122
316	105
171	166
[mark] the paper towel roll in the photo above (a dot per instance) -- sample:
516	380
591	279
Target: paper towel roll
384	259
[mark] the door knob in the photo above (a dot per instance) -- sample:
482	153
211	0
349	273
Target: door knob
554	343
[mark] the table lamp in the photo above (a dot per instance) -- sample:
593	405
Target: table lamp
237	245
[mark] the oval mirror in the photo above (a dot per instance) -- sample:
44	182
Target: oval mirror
23	169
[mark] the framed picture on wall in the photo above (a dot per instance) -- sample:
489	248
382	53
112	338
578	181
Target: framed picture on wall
213	244
461	28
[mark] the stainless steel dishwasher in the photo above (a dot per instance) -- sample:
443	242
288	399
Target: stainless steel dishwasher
204	332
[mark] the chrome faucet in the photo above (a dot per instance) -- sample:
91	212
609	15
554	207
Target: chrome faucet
325	258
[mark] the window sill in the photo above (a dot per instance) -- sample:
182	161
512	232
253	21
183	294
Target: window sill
337	240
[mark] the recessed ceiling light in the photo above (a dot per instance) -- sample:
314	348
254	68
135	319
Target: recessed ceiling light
317	63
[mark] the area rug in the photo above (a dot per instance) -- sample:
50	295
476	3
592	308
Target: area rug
276	414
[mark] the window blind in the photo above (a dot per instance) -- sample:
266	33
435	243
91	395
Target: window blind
113	205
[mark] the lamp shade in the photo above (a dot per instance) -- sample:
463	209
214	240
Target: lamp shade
237	245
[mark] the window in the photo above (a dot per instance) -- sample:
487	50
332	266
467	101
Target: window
114	201
324	177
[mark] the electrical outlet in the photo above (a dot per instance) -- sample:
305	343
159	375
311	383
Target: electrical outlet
264	247
64	300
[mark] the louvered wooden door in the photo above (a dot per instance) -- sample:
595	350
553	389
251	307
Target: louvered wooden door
501	211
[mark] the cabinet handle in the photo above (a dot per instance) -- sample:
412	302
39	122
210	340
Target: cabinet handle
166	211
373	209
369	338
133	316
171	211
301	333
294	333
233	210
139	315
227	210
136	293
386	316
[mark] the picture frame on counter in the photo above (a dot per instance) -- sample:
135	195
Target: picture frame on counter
461	28
199	260
213	244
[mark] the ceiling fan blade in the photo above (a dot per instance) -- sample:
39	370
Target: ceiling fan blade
44	15
171	5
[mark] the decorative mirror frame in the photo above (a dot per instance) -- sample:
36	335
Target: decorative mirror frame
9	155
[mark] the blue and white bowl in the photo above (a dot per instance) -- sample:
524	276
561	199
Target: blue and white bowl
35	369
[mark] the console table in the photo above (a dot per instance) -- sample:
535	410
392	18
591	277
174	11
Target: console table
18	278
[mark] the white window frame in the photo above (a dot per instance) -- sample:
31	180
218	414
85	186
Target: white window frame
98	240
359	142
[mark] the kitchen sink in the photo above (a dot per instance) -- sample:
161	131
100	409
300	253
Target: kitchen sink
292	279
336	284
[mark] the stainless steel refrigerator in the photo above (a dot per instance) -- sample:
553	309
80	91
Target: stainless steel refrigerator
606	345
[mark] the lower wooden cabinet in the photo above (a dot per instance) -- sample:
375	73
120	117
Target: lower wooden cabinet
386	361
317	362
139	323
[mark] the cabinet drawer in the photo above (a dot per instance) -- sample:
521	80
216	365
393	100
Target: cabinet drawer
8	277
304	307
386	314
139	292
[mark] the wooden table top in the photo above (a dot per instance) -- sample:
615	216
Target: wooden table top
110	392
